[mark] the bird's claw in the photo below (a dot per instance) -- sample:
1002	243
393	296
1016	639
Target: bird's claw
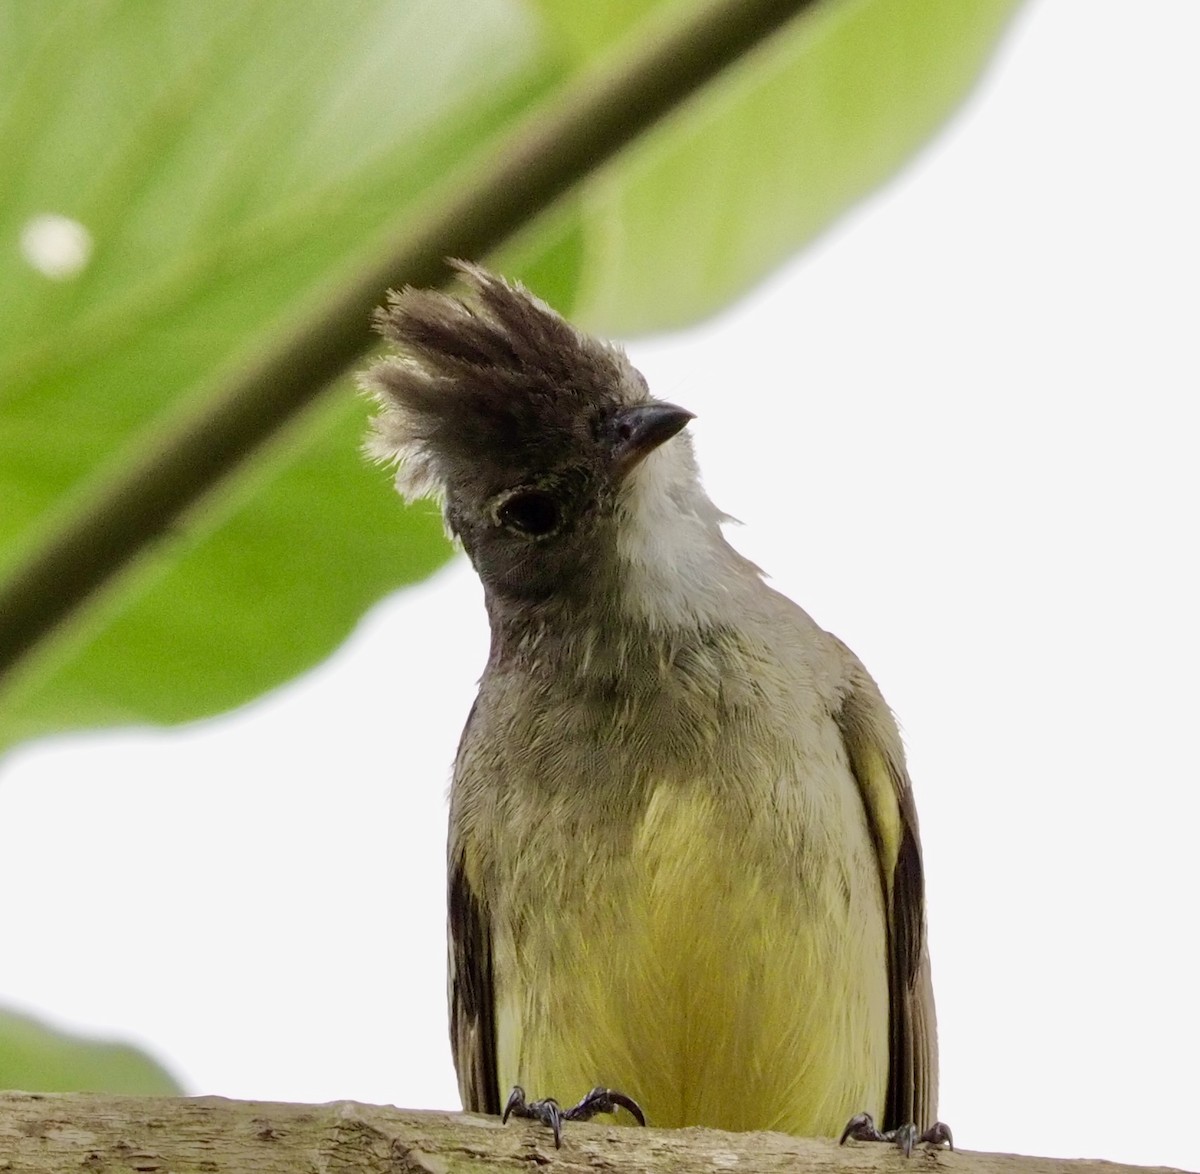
861	1127
546	1111
551	1114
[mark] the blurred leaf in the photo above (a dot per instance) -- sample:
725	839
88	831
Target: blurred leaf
226	158
36	1058
231	160
758	163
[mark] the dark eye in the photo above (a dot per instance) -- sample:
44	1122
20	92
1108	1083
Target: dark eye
532	512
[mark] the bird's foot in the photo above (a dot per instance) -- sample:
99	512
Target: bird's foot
861	1127
551	1114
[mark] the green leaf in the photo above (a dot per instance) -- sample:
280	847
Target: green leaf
757	164
227	160
242	166
36	1058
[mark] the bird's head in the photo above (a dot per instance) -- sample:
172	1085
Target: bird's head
542	443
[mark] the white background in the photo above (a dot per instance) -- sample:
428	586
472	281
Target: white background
961	433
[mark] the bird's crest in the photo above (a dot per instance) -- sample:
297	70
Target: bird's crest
496	375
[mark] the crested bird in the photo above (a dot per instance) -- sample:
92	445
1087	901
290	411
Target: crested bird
684	864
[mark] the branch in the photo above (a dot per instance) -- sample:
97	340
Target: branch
44	1132
549	152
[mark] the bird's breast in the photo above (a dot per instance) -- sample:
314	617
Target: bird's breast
689	958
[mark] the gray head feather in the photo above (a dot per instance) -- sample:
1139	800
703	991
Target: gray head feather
497	380
562	477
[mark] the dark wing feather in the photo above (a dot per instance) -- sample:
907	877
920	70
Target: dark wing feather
877	759
912	1087
471	976
472	997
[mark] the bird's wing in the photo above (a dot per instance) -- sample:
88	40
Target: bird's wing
472	995
877	759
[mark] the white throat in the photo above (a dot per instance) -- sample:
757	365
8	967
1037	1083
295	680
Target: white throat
677	570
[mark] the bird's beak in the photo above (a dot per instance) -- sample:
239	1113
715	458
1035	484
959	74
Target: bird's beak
640	429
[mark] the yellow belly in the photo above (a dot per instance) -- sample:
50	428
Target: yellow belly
702	971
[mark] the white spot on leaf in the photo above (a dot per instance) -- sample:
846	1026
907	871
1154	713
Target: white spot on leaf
56	246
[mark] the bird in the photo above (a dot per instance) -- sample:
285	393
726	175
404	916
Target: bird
684	867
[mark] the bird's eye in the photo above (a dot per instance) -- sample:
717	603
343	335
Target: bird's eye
532	512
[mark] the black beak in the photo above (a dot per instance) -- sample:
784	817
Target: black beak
640	429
